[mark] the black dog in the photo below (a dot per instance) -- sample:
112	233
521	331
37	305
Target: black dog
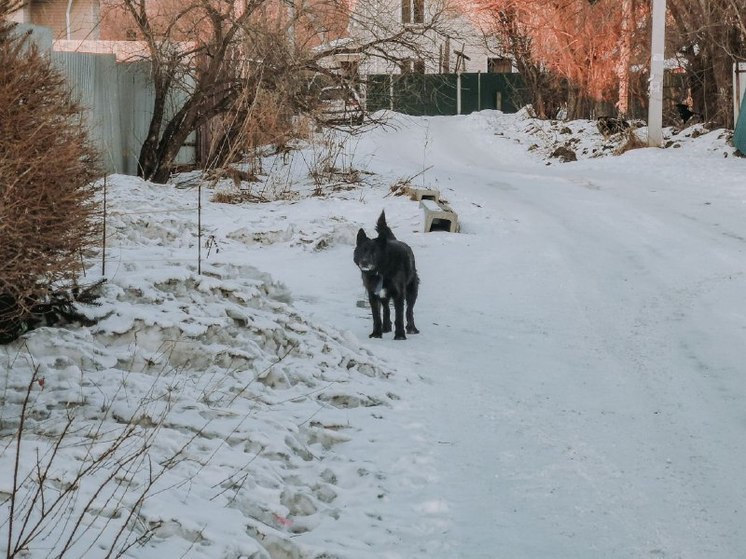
389	272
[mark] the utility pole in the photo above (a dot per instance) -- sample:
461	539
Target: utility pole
655	98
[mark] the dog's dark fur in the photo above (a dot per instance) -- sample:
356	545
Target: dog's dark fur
389	272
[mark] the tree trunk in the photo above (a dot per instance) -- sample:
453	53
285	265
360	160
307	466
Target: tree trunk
162	159
625	56
147	161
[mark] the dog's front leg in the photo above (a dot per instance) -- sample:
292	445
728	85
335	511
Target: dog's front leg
386	315
375	309
399	318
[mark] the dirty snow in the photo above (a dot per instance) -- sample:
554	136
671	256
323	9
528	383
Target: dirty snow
576	392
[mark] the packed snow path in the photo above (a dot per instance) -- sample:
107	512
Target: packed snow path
581	357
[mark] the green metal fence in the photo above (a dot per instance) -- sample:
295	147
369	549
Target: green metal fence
444	94
491	91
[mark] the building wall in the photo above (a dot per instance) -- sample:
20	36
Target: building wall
379	18
22	16
470	40
84	17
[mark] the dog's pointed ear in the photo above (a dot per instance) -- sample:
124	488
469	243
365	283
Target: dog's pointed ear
384	232
361	236
381	224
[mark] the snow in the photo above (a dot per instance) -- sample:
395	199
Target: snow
576	390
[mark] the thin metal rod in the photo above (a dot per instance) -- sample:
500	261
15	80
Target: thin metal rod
103	251
199	229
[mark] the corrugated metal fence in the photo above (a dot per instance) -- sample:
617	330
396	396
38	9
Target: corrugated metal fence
118	97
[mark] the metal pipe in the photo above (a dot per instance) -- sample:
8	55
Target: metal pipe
67	19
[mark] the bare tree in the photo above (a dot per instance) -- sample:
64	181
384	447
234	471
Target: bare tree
710	36
585	46
593	45
515	38
625	55
220	56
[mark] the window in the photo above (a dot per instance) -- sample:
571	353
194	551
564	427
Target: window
413	11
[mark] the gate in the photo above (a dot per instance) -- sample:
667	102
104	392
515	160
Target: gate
444	94
480	91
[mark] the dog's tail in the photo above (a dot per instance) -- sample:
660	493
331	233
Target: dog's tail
383	229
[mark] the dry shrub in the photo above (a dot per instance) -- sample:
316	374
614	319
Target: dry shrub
269	121
47	165
237	196
259	118
633	141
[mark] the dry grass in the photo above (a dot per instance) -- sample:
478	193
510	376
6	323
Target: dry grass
631	142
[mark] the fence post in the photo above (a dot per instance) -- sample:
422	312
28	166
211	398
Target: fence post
391	92
739	89
479	91
199	228
458	93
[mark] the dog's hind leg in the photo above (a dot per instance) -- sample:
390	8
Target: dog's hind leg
375	308
412	290
399	318
386	315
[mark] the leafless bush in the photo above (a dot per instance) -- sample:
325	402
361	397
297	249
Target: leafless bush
332	161
47	165
631	142
259	118
402	186
76	486
78	467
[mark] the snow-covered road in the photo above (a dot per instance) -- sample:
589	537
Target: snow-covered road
582	351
